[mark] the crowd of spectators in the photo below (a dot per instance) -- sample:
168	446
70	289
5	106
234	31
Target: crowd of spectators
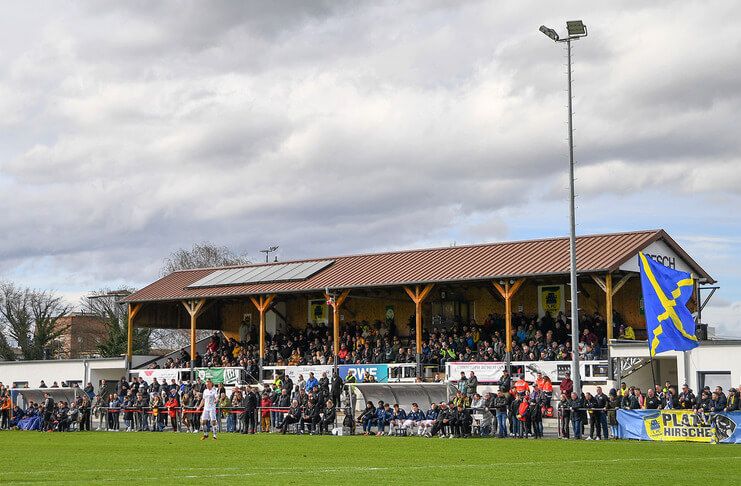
547	338
48	414
311	405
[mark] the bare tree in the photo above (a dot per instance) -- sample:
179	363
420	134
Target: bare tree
105	304
202	255
30	319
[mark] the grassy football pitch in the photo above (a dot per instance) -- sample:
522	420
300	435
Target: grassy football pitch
169	458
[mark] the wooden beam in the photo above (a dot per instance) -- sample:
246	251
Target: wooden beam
516	286
341	299
599	282
426	292
412	295
507	316
608	304
501	291
495	295
133	311
620	283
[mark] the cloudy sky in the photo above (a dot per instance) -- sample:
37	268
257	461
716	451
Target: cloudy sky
130	129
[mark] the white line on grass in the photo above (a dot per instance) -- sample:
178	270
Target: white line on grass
343	469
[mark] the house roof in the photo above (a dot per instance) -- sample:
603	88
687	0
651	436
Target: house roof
530	258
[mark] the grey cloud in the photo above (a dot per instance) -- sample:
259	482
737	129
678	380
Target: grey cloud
136	128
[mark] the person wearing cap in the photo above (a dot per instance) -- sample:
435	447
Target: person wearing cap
721	401
505	382
732	402
686	398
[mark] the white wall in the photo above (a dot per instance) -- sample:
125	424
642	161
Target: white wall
61	370
709	356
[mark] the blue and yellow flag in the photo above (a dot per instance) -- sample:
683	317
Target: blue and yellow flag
669	324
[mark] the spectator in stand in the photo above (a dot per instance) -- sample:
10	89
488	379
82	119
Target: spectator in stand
473	383
630	401
732	401
721	397
652	402
566	386
686	399
311	382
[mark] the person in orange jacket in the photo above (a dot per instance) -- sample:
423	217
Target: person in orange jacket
5	404
521	386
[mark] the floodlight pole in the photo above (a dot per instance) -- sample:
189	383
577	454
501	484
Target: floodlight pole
572	35
572	239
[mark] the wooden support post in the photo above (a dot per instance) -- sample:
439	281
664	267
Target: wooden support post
610	290
194	309
418	296
507	292
133	311
262	303
608	305
336	303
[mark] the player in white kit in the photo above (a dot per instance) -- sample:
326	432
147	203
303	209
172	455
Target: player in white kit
208	402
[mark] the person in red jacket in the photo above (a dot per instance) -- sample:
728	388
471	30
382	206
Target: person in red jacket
523	413
567	386
265	404
172	406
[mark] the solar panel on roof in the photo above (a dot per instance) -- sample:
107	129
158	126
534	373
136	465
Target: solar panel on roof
281	272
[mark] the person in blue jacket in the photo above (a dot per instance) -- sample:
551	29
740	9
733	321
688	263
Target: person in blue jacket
429	420
414	419
311	382
383	417
398	417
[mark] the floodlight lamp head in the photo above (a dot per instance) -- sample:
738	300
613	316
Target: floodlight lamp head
549	32
576	28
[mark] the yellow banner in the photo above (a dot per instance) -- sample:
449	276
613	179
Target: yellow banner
679	425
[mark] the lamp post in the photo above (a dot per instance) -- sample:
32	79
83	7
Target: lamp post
576	30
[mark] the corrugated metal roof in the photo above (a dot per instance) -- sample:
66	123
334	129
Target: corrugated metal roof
596	253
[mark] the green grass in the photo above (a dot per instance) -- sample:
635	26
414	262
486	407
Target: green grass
169	458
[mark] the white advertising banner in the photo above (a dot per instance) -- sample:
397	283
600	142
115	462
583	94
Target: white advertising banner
294	371
162	375
555	370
